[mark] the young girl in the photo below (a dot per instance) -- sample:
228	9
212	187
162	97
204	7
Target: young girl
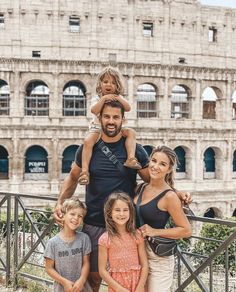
67	253
158	202
122	247
109	87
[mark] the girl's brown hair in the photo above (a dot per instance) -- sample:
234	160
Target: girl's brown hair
110	71
170	153
110	224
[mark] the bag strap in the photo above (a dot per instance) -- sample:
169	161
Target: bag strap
139	200
108	153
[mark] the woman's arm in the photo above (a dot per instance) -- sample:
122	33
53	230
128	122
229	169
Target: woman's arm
50	269
144	264
182	229
79	284
102	266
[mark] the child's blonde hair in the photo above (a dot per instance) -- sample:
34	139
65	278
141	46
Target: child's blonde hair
108	207
73	203
110	71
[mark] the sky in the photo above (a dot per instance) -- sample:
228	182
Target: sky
226	3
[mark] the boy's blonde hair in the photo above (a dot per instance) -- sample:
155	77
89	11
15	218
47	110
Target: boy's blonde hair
73	203
111	71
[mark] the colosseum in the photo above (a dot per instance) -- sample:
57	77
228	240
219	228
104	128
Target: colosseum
178	58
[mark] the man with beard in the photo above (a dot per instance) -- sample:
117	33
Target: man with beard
105	178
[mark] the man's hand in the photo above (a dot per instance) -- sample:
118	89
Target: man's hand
57	215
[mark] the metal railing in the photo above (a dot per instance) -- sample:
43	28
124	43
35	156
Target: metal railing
28	224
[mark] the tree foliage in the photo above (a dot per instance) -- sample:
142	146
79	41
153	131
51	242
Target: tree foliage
218	232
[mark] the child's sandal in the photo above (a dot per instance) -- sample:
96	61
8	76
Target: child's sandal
84	178
133	163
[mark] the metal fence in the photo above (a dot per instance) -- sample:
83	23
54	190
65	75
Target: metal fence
26	224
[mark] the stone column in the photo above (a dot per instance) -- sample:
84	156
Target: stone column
53	167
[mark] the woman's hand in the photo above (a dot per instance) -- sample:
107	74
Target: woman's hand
184	197
147	230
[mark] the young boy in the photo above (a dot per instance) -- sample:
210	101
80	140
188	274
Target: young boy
67	253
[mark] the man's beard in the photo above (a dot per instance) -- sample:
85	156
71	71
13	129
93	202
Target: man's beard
109	133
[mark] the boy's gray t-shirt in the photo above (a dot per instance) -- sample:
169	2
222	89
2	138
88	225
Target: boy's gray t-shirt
68	256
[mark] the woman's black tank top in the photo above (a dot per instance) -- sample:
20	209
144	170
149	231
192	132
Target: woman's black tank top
151	214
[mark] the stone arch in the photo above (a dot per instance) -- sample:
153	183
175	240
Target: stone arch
234	164
36	163
180	101
233	99
4	163
4	98
36	98
184	156
149	149
210	96
74	101
234	213
147	101
212	162
213	212
68	157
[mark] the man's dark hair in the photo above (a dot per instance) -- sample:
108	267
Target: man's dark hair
116	104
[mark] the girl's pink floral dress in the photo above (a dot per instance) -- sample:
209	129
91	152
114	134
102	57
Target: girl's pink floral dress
123	259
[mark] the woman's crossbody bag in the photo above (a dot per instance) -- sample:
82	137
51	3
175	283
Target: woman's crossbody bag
159	245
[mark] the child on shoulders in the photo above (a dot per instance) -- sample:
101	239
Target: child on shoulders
109	87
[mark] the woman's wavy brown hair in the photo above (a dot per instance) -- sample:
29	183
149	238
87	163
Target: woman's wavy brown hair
110	71
170	153
108	207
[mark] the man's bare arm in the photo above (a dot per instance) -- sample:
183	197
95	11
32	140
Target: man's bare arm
67	190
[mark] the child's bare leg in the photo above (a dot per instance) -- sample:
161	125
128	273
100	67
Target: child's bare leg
130	145
89	142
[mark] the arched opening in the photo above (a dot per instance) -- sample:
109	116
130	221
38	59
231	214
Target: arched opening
234	213
210	213
74	99
209	98
209	163
149	149
36	163
37	99
181	167
3	163
4	98
146	101
179	103
234	164
68	157
234	105
213	212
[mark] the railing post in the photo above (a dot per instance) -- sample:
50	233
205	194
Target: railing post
16	224
8	241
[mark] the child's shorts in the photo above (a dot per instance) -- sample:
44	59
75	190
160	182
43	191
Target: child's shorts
94	128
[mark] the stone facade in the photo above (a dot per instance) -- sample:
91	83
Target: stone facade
158	43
